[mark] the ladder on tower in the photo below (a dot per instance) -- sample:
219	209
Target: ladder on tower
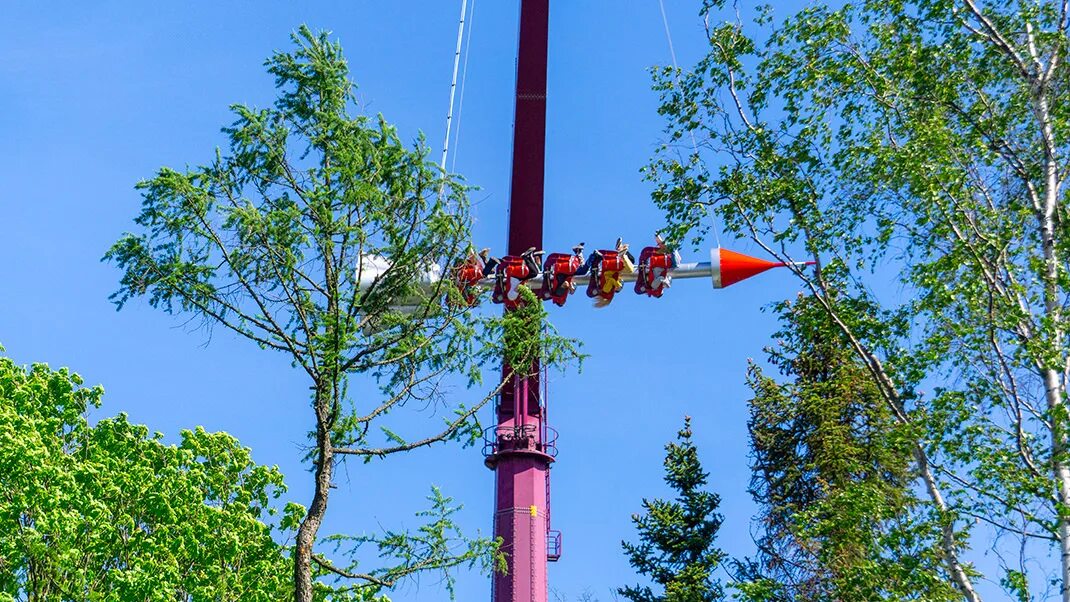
553	538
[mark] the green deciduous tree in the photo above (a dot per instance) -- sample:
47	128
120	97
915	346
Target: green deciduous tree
924	144
110	512
831	478
676	548
320	234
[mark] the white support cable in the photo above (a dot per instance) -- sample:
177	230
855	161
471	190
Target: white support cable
464	80
676	78
453	83
668	32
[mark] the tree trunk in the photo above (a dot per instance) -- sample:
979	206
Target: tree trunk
306	534
890	394
1053	391
1054	387
947	539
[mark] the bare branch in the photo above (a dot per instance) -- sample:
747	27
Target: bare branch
371	579
445	434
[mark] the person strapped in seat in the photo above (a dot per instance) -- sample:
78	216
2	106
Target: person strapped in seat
475	268
512	271
606	273
655	265
560	269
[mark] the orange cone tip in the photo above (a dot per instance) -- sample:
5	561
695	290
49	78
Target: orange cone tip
730	267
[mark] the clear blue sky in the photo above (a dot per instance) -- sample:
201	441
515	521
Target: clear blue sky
96	95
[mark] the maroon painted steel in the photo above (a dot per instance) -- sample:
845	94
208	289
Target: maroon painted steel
520	450
529	128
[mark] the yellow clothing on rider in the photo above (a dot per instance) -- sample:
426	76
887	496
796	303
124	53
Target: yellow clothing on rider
611	282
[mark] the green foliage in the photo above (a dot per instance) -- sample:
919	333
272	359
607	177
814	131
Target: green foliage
920	145
527	337
313	236
320	234
676	548
438	545
110	512
837	518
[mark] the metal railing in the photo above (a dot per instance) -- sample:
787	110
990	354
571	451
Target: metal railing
553	546
501	438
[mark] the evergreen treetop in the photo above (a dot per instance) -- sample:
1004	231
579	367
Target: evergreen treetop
676	537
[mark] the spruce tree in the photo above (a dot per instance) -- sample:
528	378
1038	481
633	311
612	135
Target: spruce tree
676	537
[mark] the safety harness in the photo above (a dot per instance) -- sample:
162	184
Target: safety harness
558	271
654	267
511	272
606	278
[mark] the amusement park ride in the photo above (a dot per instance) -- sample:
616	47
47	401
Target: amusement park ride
521	446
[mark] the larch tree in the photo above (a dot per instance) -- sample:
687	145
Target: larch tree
677	547
918	151
321	235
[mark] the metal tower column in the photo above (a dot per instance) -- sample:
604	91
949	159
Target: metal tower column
520	448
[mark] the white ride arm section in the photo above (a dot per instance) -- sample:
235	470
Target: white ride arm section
724	268
373	266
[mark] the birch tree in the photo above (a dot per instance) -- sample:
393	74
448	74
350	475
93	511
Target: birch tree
918	151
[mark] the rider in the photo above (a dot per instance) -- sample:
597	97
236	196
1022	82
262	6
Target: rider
489	264
593	260
564	280
531	259
663	247
611	282
626	256
661	275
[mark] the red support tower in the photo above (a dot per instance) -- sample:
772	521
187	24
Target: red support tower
521	446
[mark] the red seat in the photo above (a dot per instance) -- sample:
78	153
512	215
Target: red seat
654	266
605	279
511	272
467	278
557	274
